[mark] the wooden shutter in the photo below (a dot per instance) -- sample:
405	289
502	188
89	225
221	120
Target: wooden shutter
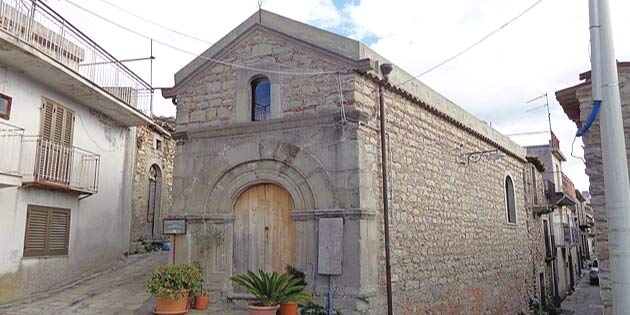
47	231
36	230
57	128
57	123
47	120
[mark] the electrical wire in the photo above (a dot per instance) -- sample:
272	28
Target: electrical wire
305	73
474	44
156	23
574	156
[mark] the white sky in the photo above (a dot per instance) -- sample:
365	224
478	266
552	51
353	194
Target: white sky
542	52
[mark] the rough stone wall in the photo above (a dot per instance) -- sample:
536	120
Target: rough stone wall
595	172
535	225
146	155
453	251
212	98
307	152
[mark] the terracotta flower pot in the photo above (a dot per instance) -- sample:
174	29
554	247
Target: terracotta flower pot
288	309
202	302
171	306
262	310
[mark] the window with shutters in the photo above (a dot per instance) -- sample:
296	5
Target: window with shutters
47	231
55	148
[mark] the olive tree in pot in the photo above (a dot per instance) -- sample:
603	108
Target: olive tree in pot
170	285
202	299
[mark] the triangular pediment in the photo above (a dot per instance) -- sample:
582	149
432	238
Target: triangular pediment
341	51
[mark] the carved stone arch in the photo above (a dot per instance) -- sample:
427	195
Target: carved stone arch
283	164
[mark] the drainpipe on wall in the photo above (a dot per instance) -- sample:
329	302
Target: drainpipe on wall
386	69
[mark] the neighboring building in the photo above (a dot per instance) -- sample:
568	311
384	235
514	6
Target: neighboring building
588	228
153	178
268	156
67	144
577	103
561	196
542	240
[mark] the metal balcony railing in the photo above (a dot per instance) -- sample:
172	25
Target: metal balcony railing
52	164
35	23
10	148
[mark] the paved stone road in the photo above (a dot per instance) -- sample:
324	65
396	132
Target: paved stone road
585	300
117	291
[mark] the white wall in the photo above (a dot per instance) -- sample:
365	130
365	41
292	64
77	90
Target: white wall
99	224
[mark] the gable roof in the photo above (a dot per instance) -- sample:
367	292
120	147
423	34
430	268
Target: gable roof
358	57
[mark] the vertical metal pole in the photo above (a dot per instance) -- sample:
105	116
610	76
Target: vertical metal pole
151	81
388	267
616	181
330	296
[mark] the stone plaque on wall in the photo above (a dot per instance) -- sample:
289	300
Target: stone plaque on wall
330	253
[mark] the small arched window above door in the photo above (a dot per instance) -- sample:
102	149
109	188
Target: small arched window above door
261	99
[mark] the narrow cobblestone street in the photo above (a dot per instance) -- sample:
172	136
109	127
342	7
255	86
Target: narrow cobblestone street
116	291
585	300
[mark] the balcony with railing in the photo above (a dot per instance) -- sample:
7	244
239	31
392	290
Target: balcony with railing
88	72
10	151
57	166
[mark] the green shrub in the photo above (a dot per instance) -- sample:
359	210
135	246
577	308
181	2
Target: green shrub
197	279
314	309
273	289
169	281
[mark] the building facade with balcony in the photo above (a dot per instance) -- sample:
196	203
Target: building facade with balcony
560	193
542	235
68	112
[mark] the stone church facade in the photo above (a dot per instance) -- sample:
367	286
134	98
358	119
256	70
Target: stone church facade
268	148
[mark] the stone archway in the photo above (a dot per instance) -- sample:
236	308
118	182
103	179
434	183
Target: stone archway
263	231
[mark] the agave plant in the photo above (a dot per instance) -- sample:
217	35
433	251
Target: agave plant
271	289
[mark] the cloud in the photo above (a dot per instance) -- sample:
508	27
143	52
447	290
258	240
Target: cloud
542	52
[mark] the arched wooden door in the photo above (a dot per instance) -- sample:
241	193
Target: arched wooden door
264	233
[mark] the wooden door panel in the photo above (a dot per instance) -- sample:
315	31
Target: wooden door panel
263	230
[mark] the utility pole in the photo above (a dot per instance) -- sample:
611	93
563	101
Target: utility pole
616	181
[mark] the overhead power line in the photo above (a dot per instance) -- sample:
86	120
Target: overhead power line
474	44
306	73
155	23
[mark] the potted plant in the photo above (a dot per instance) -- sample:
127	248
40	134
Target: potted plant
293	294
202	299
207	238
170	285
266	287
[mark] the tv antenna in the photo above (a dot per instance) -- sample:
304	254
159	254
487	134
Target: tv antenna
545	105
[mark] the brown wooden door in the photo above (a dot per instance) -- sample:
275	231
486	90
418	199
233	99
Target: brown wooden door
263	231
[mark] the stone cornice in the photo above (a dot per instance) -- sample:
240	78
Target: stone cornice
240	129
352	214
213	217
